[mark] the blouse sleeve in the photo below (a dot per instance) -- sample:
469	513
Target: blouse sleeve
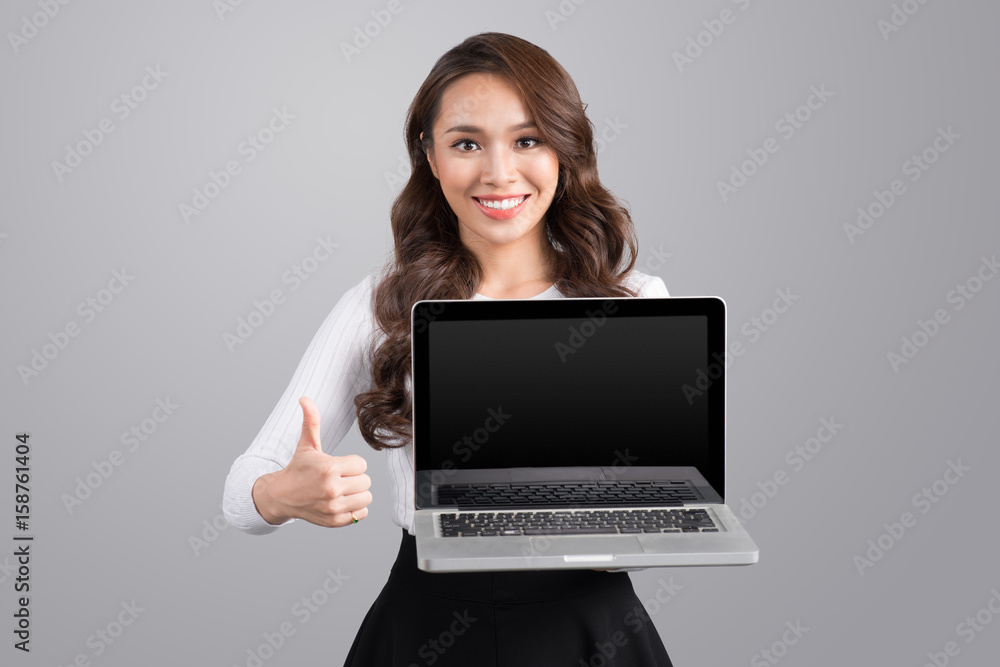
332	371
655	287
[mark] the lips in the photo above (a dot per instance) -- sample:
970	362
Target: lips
500	214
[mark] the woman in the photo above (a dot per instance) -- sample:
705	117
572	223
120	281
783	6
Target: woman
504	202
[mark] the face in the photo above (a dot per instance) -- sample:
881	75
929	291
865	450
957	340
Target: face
486	145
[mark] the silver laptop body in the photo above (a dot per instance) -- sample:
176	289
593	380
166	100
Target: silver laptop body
545	409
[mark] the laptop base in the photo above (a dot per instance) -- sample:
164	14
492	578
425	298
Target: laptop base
730	546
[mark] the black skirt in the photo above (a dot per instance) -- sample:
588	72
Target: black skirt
527	618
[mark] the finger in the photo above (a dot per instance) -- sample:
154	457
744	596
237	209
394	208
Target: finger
310	425
351	465
348	519
350	486
356	500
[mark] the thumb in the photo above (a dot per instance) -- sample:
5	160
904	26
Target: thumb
310	427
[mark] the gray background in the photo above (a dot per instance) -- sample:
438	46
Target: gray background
680	130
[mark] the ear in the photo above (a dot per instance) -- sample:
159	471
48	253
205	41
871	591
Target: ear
430	159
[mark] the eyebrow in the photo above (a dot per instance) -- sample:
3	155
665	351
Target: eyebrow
469	129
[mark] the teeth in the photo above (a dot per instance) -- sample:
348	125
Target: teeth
501	205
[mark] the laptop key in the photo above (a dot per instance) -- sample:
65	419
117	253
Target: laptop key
585	530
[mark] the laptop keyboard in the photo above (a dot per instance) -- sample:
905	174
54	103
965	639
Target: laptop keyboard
619	493
578	522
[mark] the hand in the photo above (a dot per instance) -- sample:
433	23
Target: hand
314	486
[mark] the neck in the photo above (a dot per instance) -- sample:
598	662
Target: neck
527	269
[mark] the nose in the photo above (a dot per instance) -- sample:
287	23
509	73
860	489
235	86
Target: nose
499	168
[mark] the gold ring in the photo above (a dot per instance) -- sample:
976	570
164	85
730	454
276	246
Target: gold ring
354	517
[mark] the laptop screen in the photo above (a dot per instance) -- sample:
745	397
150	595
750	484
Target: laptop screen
570	382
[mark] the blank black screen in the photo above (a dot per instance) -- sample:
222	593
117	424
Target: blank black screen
504	393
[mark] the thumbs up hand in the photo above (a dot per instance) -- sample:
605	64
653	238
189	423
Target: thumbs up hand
314	486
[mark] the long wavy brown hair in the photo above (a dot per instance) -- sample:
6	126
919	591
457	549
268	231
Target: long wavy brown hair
587	228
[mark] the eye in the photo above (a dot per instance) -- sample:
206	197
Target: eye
463	141
467	140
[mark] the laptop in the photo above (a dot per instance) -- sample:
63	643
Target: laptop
571	433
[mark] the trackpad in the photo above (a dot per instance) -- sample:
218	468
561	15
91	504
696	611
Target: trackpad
544	545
